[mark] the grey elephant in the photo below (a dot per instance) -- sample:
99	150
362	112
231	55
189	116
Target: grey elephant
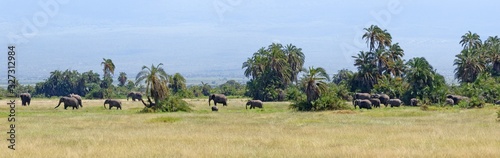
113	103
361	96
375	102
395	102
497	102
384	98
449	101
457	98
414	102
68	101
215	108
254	103
363	103
77	97
25	98
135	96
218	98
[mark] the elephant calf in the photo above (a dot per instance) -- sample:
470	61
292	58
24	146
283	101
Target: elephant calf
254	103
215	108
414	102
449	101
113	103
363	103
395	102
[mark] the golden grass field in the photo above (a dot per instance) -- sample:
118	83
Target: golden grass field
276	131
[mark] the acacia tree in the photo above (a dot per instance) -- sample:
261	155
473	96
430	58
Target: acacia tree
156	80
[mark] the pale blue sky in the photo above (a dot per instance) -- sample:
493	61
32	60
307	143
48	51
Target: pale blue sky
195	36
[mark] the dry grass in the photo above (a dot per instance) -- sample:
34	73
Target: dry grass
235	132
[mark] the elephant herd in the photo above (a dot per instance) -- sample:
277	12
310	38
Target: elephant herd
367	101
222	99
361	100
75	101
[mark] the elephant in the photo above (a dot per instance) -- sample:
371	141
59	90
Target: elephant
113	103
134	96
77	97
414	102
254	103
68	101
384	98
360	96
449	101
363	103
218	98
457	98
215	109
497	102
25	98
375	102
395	102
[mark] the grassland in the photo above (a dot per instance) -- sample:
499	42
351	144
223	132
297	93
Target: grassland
276	131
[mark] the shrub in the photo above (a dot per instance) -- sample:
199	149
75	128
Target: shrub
327	101
171	104
476	102
498	115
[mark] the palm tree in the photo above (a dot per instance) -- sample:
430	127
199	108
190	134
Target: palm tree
343	75
256	65
382	60
177	83
205	89
367	73
396	68
122	78
469	65
295	59
156	80
395	52
376	36
314	83
492	48
470	40
278	63
109	67
420	76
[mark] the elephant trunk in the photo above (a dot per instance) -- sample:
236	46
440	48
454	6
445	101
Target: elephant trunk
58	104
209	99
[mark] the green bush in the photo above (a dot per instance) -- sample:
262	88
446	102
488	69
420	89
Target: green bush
476	102
498	115
171	104
327	101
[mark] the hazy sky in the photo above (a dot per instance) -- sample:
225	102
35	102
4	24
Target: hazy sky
195	36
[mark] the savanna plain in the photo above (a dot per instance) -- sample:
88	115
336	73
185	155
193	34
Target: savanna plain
275	131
